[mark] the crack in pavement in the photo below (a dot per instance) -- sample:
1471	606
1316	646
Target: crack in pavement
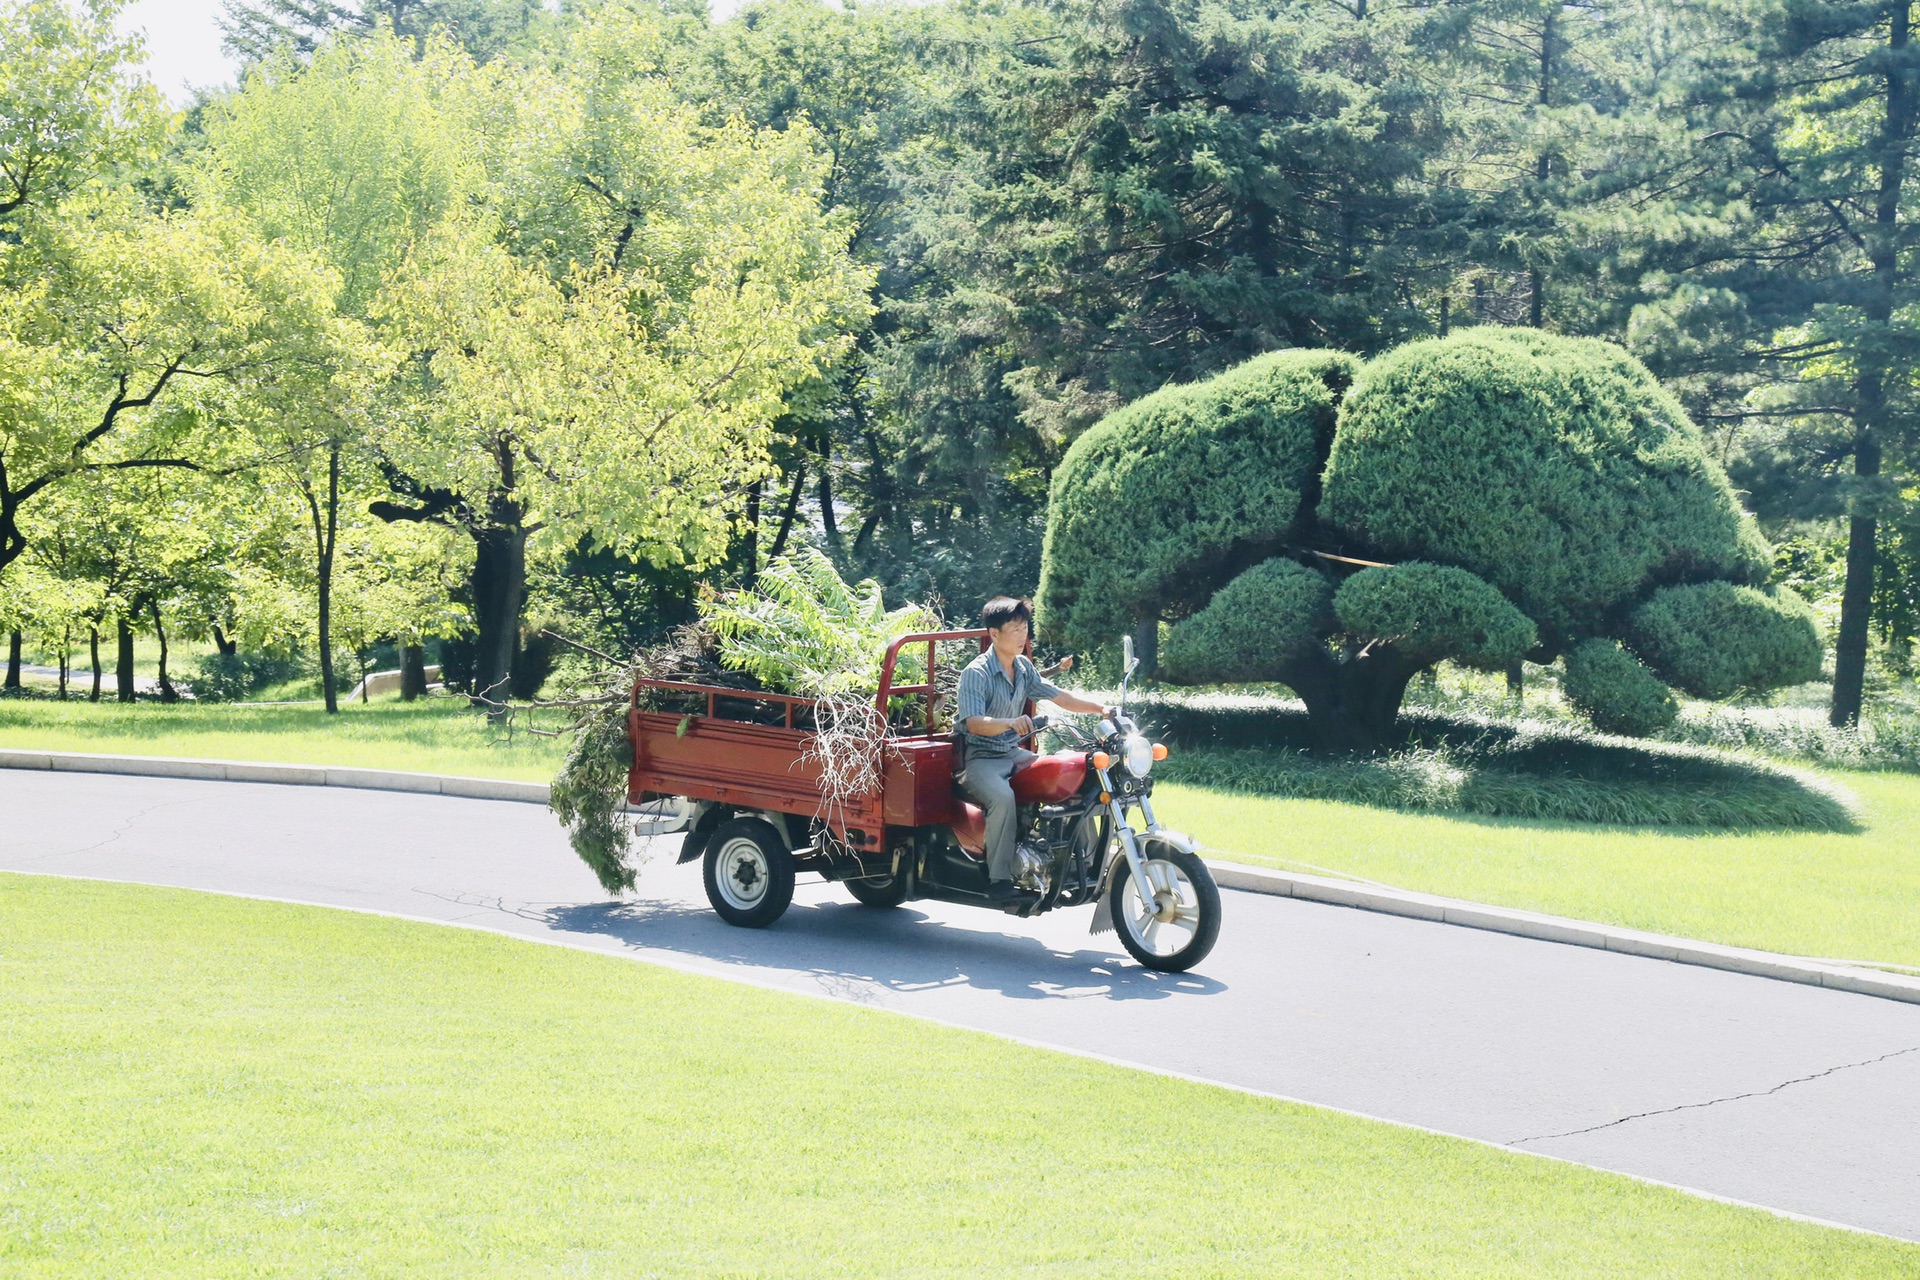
1714	1102
126	825
493	903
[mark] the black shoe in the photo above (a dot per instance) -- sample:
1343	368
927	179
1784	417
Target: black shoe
1005	893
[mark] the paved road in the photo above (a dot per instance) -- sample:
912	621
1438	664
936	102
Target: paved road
1793	1097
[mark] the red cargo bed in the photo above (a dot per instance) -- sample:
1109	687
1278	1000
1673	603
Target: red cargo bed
732	759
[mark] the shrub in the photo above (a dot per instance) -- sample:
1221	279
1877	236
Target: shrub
1255	624
1616	691
231	677
1158	503
1555	468
1434	611
1714	639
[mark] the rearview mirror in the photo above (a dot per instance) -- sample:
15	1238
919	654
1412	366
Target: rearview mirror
1127	661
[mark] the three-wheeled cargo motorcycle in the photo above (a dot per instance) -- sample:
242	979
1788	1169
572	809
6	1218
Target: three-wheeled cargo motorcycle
751	794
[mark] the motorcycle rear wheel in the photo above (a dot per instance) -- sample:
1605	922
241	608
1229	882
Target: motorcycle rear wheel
1181	930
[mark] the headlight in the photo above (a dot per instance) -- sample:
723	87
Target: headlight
1139	756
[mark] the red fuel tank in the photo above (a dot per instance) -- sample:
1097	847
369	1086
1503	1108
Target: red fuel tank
1051	779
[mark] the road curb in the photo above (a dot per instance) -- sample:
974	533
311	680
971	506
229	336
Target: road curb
1230	875
1578	933
298	775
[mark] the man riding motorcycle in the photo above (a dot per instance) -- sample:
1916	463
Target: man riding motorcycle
991	702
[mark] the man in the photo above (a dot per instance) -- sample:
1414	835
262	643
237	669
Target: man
994	690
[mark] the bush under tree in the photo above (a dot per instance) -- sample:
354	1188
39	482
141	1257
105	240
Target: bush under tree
1481	498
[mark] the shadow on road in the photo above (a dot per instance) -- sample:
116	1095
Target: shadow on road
856	952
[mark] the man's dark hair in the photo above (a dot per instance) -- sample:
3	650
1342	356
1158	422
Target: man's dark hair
1004	609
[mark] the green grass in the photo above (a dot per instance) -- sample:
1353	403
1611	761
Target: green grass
1846	896
436	735
198	1086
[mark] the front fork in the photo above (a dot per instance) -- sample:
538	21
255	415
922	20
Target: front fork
1143	887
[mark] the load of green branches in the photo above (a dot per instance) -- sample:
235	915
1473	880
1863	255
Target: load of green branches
800	629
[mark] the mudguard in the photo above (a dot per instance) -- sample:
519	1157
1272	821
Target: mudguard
707	819
1103	901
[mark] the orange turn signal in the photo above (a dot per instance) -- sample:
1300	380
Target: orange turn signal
1106	797
1101	760
1159	751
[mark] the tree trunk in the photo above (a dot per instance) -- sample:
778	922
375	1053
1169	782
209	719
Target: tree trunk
867	527
13	660
326	530
413	672
499	590
227	647
93	651
1856	597
752	543
66	658
1353	704
167	692
1516	678
786	516
829	523
123	665
1542	169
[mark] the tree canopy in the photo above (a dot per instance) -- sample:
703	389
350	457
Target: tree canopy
601	302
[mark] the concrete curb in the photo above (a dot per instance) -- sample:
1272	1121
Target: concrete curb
1578	933
1230	875
299	775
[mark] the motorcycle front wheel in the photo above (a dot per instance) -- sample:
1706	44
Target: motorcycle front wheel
1179	928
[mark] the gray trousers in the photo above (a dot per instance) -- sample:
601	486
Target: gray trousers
989	780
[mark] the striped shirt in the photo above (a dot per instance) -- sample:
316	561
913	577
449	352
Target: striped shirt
986	691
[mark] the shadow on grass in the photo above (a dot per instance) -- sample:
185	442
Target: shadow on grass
856	952
1477	767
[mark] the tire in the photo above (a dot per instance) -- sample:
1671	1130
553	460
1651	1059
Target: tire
748	872
879	892
1190	904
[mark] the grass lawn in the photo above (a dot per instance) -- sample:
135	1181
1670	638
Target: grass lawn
199	1086
1846	896
436	735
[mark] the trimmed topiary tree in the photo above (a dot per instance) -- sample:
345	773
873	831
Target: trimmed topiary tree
1715	639
1152	501
1557	469
1615	690
1530	493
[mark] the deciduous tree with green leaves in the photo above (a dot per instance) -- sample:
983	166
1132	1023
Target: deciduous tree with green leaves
602	348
